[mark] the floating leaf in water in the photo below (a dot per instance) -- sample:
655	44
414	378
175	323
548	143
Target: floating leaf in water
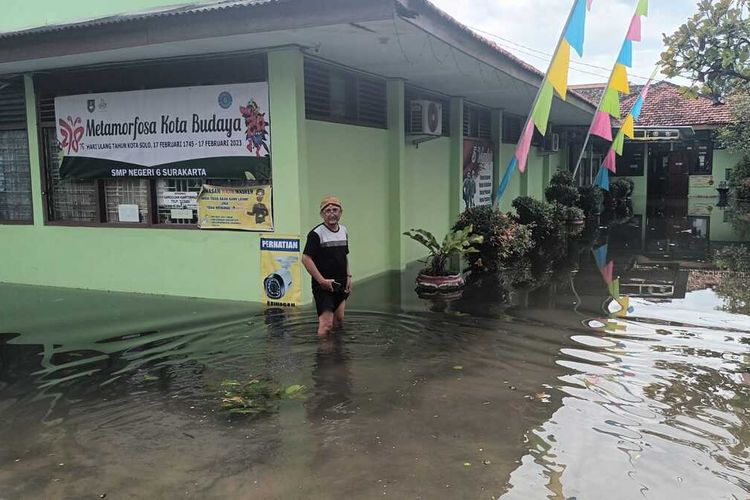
149	378
467	464
458	367
229	383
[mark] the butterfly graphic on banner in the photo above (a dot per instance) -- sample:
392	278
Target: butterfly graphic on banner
72	133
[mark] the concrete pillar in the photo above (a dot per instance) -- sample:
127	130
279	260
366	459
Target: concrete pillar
286	87
396	173
498	165
34	149
456	157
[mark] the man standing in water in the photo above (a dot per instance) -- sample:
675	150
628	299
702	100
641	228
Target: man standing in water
325	258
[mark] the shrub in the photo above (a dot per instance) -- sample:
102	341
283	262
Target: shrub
573	214
462	242
733	258
542	218
562	178
564	195
743	190
505	239
590	199
740	173
621	188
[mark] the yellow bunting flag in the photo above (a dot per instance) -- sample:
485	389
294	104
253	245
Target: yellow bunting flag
540	114
620	79
558	71
628	127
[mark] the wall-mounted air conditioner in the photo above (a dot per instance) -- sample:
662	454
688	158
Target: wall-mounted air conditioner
425	118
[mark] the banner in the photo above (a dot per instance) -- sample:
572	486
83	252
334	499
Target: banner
245	208
218	131
280	270
478	161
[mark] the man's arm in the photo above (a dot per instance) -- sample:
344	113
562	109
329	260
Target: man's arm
327	284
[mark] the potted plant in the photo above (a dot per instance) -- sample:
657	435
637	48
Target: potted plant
435	275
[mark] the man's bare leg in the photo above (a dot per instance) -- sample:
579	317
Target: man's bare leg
325	323
338	315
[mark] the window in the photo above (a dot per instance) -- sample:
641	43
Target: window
512	128
477	122
147	202
15	173
413	93
338	95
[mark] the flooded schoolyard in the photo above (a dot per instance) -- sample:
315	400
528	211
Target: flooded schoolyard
552	391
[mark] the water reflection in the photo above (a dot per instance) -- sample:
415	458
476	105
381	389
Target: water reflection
597	372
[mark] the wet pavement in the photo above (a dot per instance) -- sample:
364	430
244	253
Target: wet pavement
551	388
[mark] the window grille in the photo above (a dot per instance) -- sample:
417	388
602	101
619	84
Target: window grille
70	200
126	192
165	204
15	178
338	95
511	129
477	122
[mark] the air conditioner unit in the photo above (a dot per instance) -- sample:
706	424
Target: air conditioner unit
425	118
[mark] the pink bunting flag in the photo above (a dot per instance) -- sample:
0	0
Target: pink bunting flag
588	4
607	271
602	126
524	144
634	33
610	161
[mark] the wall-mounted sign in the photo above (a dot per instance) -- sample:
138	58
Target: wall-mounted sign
701	181
478	161
218	131
280	268
245	208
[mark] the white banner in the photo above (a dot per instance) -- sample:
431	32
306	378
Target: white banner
158	133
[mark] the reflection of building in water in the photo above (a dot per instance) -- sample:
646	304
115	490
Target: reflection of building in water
330	397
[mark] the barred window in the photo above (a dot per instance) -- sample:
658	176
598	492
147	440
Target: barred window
15	170
477	122
337	95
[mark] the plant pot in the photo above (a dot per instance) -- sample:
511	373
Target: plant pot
441	283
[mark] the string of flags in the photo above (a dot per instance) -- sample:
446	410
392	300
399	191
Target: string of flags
606	268
627	129
609	103
555	81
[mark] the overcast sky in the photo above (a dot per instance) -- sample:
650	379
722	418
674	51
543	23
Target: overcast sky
530	29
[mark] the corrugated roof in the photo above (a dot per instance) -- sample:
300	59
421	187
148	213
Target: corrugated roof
667	106
170	10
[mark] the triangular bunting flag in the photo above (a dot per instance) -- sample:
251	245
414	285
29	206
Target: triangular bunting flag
614	287
637	108
619	79
540	113
575	30
642	9
611	103
610	161
558	71
600	255
602	179
628	127
602	126
588	4
619	142
634	32
506	178
626	54
607	271
524	144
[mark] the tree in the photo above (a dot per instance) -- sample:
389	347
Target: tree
712	48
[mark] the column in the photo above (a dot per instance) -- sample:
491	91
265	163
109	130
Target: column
286	88
32	130
456	157
498	166
396	173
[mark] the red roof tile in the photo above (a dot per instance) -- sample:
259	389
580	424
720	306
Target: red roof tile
666	106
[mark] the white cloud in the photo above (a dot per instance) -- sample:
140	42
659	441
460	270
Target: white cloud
530	29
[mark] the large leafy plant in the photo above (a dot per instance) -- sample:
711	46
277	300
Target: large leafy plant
460	242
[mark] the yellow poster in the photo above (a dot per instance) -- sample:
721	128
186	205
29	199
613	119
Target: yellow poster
280	270
246	208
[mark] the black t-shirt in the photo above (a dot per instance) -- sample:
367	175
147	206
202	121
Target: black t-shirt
328	250
260	211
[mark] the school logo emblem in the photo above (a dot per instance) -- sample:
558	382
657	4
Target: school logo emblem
225	100
91	105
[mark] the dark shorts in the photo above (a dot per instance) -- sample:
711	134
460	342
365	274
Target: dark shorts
328	301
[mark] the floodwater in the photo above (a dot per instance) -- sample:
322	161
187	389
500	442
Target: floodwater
538	393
